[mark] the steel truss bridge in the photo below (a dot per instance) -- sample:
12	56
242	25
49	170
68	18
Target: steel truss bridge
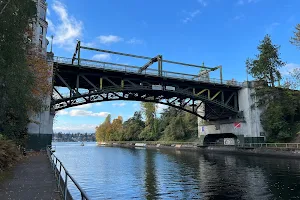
90	81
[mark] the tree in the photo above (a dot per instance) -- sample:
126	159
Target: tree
296	39
16	77
116	129
103	132
133	127
150	131
280	106
176	124
267	63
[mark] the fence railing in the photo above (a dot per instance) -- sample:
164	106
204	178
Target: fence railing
62	183
168	143
272	145
251	145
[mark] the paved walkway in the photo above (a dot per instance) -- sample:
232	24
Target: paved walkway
32	179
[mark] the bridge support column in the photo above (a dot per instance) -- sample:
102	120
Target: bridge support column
40	129
246	126
201	123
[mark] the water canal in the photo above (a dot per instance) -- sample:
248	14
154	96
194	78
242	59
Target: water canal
125	173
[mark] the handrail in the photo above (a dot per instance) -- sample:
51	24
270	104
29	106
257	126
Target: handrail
57	171
152	72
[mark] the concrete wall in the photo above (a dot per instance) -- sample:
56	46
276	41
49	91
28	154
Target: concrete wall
250	126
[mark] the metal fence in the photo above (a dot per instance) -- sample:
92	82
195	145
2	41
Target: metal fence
272	145
62	176
166	143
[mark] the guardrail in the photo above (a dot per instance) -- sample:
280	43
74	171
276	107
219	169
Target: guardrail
62	183
272	145
152	72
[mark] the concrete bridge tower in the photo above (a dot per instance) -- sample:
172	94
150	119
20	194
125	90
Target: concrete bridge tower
41	127
244	128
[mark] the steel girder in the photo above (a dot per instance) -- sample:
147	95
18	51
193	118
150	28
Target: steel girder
220	103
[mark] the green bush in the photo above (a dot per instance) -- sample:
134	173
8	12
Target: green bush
9	154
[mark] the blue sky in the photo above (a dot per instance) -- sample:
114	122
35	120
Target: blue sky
216	32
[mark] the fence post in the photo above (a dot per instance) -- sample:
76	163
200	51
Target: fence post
55	170
286	145
297	145
66	189
59	175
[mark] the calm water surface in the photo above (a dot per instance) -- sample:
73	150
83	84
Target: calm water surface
123	173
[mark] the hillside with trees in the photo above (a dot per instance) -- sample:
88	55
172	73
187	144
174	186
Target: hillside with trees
172	124
280	102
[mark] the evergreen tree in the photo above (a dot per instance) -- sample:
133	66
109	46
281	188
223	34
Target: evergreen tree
267	63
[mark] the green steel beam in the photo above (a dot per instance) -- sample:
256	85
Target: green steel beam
215	95
143	57
150	62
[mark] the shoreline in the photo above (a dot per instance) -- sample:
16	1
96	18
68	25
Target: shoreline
261	152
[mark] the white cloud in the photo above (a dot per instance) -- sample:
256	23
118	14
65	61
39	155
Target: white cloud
88	44
271	27
108	39
48	12
68	29
190	16
85	106
160	107
119	104
288	68
98	104
82	113
239	17
242	2
135	41
74	128
50	25
62	112
202	2
102	56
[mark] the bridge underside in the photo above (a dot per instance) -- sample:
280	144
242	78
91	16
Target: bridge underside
100	84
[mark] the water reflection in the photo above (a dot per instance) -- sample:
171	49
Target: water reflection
125	173
150	175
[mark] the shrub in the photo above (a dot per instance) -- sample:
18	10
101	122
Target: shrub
9	154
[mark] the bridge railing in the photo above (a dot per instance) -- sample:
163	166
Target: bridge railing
62	183
149	71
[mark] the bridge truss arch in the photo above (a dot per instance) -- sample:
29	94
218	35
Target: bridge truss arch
220	102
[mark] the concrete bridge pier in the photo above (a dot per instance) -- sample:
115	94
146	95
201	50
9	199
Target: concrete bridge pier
40	129
201	123
244	128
